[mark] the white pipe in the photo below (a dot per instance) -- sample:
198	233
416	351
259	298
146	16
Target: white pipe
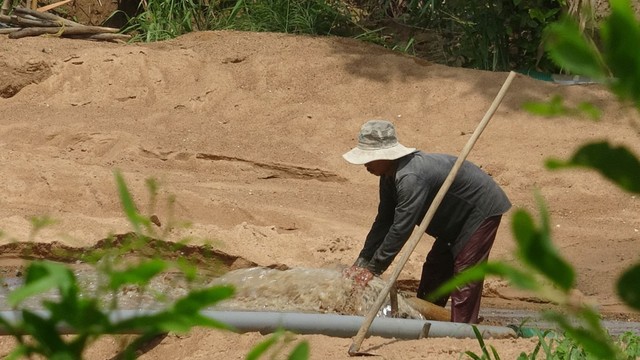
308	323
327	324
461	330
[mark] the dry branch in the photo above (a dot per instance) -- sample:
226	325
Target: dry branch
8	30
45	16
52	6
66	30
103	36
61	20
25	22
34	23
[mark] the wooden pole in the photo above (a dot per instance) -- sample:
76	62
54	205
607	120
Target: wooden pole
60	20
52	6
8	30
46	16
58	31
393	299
429	310
28	22
417	234
104	36
34	23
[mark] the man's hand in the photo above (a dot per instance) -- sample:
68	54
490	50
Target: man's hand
361	276
351	272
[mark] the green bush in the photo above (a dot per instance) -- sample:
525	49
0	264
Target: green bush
166	19
488	35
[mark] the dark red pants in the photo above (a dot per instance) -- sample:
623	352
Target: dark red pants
440	266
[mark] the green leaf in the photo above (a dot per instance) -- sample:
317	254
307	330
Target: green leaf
536	14
483	346
494	352
44	332
262	347
472	355
42	276
139	274
554	107
236	9
619	30
568	48
8	327
198	299
183	315
82	314
590	110
630	343
617	164
128	205
300	352
478	272
535	248
19	352
40	222
593	339
628	288
189	270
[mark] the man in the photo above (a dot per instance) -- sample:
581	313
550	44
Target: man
464	226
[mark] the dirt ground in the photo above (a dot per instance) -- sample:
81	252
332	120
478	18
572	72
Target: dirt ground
246	132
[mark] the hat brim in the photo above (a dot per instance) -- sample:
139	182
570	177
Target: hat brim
359	156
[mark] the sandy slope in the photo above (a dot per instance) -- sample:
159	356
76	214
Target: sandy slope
247	131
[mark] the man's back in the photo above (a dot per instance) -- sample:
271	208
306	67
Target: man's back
472	197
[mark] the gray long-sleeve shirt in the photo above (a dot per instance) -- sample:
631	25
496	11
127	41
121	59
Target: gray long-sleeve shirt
406	196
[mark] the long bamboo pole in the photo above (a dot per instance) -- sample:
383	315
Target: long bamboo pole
411	244
46	16
8	30
60	31
26	22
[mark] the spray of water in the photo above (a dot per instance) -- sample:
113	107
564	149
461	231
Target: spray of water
310	290
305	290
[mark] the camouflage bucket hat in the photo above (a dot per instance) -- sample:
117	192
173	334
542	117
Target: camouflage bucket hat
377	141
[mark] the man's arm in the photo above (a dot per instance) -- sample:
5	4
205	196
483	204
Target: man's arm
381	225
412	197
